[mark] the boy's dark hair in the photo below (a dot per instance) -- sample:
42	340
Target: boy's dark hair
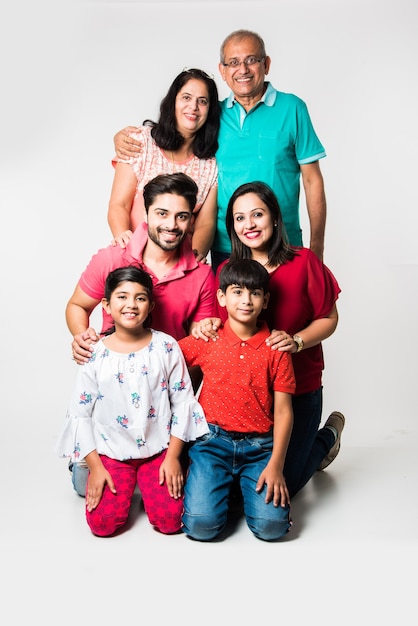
178	184
244	273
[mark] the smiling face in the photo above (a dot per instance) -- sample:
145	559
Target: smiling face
191	107
244	305
168	219
246	81
252	222
129	305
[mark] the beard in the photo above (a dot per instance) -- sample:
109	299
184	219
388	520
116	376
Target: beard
155	235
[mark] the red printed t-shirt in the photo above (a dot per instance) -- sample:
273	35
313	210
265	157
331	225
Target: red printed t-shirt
301	291
186	294
239	378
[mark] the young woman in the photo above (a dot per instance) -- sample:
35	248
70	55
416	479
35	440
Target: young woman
184	139
131	411
302	310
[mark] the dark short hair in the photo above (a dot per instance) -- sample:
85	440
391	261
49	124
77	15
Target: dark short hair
178	184
244	273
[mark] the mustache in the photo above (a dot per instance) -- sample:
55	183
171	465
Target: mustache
169	230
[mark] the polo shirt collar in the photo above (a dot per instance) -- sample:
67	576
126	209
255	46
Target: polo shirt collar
269	97
255	341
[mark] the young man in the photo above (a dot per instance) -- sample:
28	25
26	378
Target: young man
246	396
184	290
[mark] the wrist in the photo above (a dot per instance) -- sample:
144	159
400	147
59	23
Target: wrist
299	342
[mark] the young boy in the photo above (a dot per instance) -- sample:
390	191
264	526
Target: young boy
243	379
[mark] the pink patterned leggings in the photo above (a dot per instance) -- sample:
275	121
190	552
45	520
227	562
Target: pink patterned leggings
164	512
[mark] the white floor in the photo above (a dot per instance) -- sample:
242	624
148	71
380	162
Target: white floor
351	554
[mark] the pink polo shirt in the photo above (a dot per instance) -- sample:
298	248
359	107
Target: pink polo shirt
186	294
239	378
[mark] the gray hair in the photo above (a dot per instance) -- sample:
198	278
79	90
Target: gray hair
243	34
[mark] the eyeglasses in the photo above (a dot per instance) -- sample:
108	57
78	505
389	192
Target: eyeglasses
196	71
248	62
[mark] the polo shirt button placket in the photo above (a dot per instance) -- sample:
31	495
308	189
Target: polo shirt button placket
241	356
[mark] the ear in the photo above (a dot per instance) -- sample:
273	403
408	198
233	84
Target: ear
151	306
105	305
221	298
266	300
222	71
267	63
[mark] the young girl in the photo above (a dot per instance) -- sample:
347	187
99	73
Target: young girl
132	409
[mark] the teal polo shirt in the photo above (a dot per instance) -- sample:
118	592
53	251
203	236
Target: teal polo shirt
268	144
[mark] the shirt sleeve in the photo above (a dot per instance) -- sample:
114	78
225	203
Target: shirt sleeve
284	378
308	148
188	420
207	298
323	289
76	439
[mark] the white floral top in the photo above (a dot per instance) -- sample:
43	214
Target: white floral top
126	405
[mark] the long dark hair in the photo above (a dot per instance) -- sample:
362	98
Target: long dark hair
279	249
165	133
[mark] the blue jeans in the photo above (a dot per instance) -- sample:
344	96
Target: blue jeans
308	445
79	475
216	461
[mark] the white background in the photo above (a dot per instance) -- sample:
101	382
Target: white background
72	74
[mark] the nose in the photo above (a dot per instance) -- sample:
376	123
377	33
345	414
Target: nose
246	296
170	222
249	222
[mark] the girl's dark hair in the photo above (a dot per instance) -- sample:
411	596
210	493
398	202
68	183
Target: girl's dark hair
244	273
132	274
279	249
165	133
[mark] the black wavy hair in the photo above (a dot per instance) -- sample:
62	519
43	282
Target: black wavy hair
165	133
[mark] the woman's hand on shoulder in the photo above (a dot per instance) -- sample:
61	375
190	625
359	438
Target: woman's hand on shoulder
122	239
125	145
281	340
207	328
